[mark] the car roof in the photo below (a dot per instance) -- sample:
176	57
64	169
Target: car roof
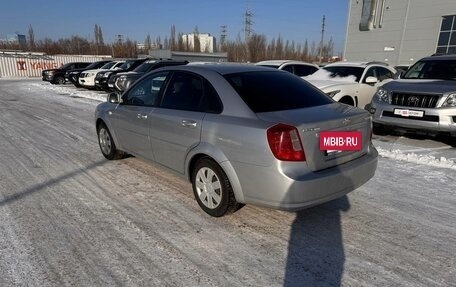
281	62
221	68
442	57
357	64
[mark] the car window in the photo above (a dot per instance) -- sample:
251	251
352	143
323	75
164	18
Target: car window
383	73
275	91
369	73
211	102
147	91
184	92
288	68
304	70
345	71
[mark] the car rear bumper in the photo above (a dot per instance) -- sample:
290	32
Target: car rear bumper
289	187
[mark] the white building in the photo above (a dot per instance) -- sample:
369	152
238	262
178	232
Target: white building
207	42
399	31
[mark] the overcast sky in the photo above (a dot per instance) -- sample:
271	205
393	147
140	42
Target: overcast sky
296	20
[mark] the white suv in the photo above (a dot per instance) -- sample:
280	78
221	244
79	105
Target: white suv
352	83
87	78
298	68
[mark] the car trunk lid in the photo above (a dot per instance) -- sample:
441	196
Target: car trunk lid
333	117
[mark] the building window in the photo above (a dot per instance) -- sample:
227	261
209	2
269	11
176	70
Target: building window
447	36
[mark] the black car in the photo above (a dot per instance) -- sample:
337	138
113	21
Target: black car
73	75
102	78
57	76
122	81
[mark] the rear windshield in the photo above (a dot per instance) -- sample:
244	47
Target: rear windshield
432	69
276	91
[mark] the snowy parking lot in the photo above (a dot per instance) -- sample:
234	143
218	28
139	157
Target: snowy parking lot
71	218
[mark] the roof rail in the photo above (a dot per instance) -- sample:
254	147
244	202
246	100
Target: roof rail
377	62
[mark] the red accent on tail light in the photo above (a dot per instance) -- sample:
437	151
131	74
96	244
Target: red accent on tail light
285	143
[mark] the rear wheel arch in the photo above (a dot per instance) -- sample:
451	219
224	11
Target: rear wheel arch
212	187
224	164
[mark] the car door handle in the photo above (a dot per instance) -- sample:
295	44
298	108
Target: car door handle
188	123
140	116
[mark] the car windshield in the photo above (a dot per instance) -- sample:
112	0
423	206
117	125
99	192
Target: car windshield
66	66
144	67
275	91
432	69
92	66
345	71
126	65
108	65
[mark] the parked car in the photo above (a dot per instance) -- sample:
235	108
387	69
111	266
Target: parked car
423	100
352	83
298	68
87	78
102	78
73	75
122	81
57	76
240	133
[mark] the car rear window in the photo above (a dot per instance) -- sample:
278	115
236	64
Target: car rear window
275	91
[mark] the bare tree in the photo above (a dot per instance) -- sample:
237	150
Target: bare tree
256	47
148	42
172	41
31	38
196	40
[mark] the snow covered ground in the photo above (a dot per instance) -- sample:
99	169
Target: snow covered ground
71	218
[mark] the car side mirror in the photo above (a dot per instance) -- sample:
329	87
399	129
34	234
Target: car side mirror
114	98
371	80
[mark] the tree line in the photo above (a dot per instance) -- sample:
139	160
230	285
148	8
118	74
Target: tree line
255	48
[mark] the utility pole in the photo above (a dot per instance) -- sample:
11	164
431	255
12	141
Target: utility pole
248	24
322	37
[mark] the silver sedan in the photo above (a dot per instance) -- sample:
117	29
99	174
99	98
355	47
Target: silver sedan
241	134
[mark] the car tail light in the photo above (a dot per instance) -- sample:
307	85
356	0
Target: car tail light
285	143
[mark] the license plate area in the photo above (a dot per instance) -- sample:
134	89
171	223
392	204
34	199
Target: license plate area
335	142
409	113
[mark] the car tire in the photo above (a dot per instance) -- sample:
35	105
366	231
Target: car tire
212	188
59	80
107	145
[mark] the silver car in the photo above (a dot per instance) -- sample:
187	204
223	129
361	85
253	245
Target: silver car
423	100
241	134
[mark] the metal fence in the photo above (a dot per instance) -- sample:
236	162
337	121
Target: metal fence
20	64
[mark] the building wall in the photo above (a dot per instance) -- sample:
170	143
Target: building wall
32	64
207	42
404	32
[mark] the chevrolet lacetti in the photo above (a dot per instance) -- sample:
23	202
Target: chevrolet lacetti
242	134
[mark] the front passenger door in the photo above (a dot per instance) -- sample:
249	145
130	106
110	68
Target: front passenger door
132	118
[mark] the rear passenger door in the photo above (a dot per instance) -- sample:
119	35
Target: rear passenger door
176	122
